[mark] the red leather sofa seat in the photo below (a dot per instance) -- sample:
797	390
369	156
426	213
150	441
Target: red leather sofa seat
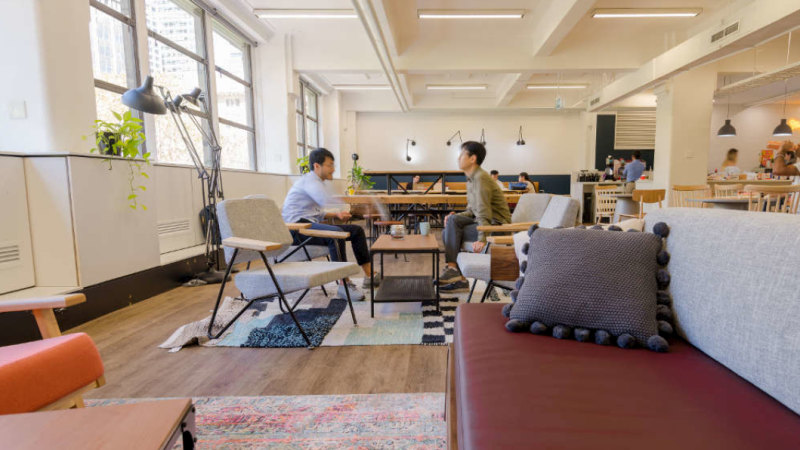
527	391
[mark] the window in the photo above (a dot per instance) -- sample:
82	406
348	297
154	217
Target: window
178	63
307	119
114	62
234	98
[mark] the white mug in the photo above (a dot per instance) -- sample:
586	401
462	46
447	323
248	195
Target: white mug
424	228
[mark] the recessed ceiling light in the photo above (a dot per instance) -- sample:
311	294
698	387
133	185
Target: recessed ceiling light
645	12
306	13
361	87
556	86
456	87
470	13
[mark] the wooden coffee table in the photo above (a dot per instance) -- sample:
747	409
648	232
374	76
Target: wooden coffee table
145	425
405	288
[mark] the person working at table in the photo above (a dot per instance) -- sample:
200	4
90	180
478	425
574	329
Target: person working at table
486	205
786	162
306	202
496	177
633	171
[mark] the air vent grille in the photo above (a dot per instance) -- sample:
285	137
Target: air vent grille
173	226
9	253
635	130
725	32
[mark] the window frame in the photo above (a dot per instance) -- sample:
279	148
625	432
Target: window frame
304	85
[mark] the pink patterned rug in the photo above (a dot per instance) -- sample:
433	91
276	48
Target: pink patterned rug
368	421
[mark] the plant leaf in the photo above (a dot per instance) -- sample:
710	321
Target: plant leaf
131	197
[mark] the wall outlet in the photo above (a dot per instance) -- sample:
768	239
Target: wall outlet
17	110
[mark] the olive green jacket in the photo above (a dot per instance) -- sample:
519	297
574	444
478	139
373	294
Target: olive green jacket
485	201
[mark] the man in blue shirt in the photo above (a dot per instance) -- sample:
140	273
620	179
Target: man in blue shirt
306	202
633	170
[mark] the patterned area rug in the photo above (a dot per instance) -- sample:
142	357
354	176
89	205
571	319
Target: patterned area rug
327	322
407	421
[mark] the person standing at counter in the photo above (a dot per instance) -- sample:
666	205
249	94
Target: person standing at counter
633	170
786	163
730	165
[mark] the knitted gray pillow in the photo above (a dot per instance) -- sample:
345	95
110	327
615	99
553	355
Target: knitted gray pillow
591	281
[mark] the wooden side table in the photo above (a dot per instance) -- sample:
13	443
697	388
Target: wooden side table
145	425
405	288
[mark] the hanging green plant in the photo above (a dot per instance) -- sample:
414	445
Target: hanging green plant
124	139
357	179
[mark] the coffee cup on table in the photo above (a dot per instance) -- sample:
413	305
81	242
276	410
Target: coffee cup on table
424	228
397	231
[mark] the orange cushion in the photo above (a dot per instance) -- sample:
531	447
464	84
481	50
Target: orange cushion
35	374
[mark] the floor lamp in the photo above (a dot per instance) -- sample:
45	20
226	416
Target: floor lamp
145	99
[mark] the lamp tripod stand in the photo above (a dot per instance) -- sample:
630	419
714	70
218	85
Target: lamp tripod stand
144	99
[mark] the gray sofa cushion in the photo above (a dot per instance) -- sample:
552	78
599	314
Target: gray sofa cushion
530	208
591	279
736	291
561	212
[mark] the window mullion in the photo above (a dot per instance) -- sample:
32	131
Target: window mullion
211	82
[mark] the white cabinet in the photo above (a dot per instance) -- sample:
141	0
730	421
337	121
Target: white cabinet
16	258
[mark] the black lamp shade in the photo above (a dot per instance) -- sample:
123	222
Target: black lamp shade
521	142
727	130
192	97
144	98
783	129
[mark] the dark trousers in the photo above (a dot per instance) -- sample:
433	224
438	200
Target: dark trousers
458	230
357	238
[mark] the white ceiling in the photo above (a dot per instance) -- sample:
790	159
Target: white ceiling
556	42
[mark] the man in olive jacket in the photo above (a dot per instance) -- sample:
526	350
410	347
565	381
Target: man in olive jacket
486	205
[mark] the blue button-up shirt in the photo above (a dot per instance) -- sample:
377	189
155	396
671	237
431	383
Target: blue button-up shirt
633	170
307	199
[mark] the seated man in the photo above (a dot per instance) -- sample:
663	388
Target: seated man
496	177
305	203
486	205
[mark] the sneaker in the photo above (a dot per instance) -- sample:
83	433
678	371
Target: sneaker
355	294
456	286
376	281
449	275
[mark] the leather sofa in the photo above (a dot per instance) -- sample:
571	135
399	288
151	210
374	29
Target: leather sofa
730	379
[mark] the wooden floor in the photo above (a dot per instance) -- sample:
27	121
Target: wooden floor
135	367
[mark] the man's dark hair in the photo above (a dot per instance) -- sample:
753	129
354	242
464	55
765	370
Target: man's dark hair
494	172
475	149
318	156
637	154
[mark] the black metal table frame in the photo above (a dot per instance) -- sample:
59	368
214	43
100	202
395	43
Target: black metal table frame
435	278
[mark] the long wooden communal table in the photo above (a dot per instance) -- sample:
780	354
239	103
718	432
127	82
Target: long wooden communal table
390	176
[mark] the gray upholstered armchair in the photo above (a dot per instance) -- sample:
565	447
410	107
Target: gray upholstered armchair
548	212
253	229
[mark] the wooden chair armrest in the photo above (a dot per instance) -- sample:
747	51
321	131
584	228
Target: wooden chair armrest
325	233
250	244
501	240
508	227
632	216
504	265
32	304
297	226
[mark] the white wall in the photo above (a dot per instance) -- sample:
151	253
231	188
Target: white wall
753	130
555	140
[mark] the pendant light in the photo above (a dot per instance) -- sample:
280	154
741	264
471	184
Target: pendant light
783	129
520	140
727	130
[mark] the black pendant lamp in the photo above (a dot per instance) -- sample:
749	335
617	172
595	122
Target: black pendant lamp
520	139
783	128
144	98
727	130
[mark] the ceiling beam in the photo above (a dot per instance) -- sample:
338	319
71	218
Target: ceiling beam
512	85
765	19
366	13
555	21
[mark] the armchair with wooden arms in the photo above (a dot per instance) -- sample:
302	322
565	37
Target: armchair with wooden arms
52	373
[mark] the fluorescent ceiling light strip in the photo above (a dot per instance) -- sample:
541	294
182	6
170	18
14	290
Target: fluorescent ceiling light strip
554	86
306	13
645	12
470	14
362	87
456	87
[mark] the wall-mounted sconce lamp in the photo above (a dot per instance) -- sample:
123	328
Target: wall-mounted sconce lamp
520	140
450	139
413	143
483	137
